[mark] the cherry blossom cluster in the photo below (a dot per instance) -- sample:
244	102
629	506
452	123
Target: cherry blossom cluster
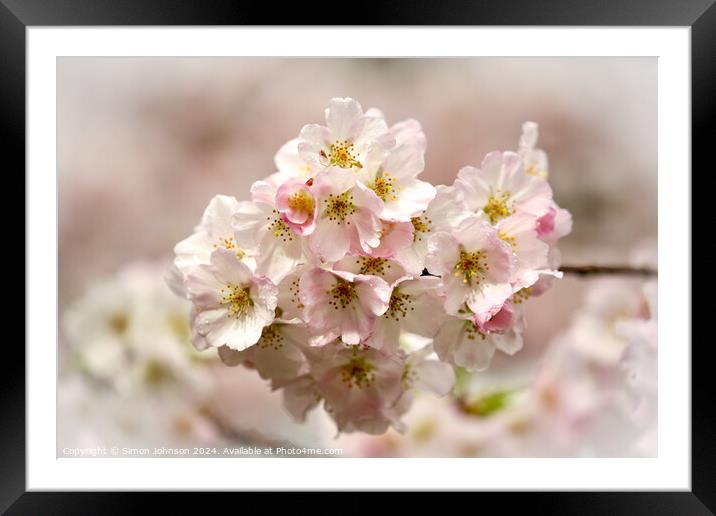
593	393
130	375
344	250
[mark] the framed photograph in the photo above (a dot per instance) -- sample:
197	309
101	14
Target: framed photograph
441	248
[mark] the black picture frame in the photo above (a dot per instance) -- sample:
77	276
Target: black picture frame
17	15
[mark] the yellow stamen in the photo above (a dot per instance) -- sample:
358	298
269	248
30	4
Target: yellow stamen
294	295
509	239
521	295
409	377
340	154
358	373
279	228
497	207
421	225
228	243
472	266
339	207
534	170
385	188
271	337
373	266
238	300
302	202
399	305
472	331
343	293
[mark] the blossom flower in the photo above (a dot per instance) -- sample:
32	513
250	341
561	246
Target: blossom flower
476	267
259	226
359	385
554	224
290	307
471	344
342	305
300	396
414	307
535	160
297	206
395	237
640	366
129	333
581	393
277	356
423	373
213	232
530	252
409	132
595	331
348	216
388	270
317	282
573	404
345	139
289	163
573	397
93	416
500	188
443	213
436	428
392	175
231	304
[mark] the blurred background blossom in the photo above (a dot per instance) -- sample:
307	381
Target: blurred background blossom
143	144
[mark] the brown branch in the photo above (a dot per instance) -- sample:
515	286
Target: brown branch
591	270
595	270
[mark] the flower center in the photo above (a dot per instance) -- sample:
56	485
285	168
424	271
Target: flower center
343	294
302	202
420	225
385	188
534	170
373	266
399	305
509	239
279	228
497	207
471	266
521	295
294	297
472	332
237	299
340	154
339	207
228	243
409	377
358	373
118	322
156	373
271	337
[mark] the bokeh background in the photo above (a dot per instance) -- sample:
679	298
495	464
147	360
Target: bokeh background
144	143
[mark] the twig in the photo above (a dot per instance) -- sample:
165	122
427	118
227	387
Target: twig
594	270
590	270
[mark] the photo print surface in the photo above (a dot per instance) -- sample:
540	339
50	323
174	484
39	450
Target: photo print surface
444	257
